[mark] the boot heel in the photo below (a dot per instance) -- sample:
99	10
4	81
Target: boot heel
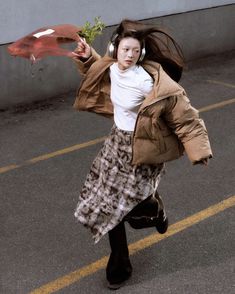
162	222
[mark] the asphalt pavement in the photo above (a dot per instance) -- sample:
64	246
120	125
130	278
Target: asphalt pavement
46	150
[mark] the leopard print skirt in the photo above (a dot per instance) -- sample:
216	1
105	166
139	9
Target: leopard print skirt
114	186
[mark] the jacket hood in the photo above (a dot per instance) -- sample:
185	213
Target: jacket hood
163	87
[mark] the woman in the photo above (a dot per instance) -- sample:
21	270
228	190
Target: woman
136	84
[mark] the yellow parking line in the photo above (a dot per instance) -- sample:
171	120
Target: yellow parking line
221	83
66	150
217	105
5	169
92	268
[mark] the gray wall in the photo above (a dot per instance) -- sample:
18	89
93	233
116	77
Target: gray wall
18	18
199	32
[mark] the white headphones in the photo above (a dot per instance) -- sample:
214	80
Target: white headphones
112	48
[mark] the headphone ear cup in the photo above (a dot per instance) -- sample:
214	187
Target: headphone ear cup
143	52
111	46
111	49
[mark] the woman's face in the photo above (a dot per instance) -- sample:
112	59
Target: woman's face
128	52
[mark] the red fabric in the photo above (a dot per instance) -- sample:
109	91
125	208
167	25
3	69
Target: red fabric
45	41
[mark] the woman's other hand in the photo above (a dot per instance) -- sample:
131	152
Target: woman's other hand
83	50
204	161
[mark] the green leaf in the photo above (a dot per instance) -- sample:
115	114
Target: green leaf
90	32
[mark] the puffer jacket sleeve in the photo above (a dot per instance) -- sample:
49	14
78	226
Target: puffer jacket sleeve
184	120
83	66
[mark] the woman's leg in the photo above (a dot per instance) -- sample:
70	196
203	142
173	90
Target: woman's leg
119	268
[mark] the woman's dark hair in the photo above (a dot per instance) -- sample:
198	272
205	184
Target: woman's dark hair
159	45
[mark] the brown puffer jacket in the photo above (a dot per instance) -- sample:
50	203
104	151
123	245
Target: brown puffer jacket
166	125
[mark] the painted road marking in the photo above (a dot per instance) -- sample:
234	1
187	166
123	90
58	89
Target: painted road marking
5	169
34	160
217	105
221	83
144	243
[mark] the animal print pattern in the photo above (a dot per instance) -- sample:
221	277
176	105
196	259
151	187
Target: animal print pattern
114	186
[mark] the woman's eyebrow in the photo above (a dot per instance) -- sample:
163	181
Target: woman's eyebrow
127	47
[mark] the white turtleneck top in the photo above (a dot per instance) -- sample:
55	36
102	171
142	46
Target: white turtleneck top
128	90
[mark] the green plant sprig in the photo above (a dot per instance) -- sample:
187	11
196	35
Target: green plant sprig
90	32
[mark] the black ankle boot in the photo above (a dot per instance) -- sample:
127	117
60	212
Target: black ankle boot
162	219
162	222
149	213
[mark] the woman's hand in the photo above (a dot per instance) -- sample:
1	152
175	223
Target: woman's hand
83	50
204	161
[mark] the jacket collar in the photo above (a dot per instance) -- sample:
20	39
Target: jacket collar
163	86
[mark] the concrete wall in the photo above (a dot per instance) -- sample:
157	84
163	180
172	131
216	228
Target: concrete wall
18	18
199	32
